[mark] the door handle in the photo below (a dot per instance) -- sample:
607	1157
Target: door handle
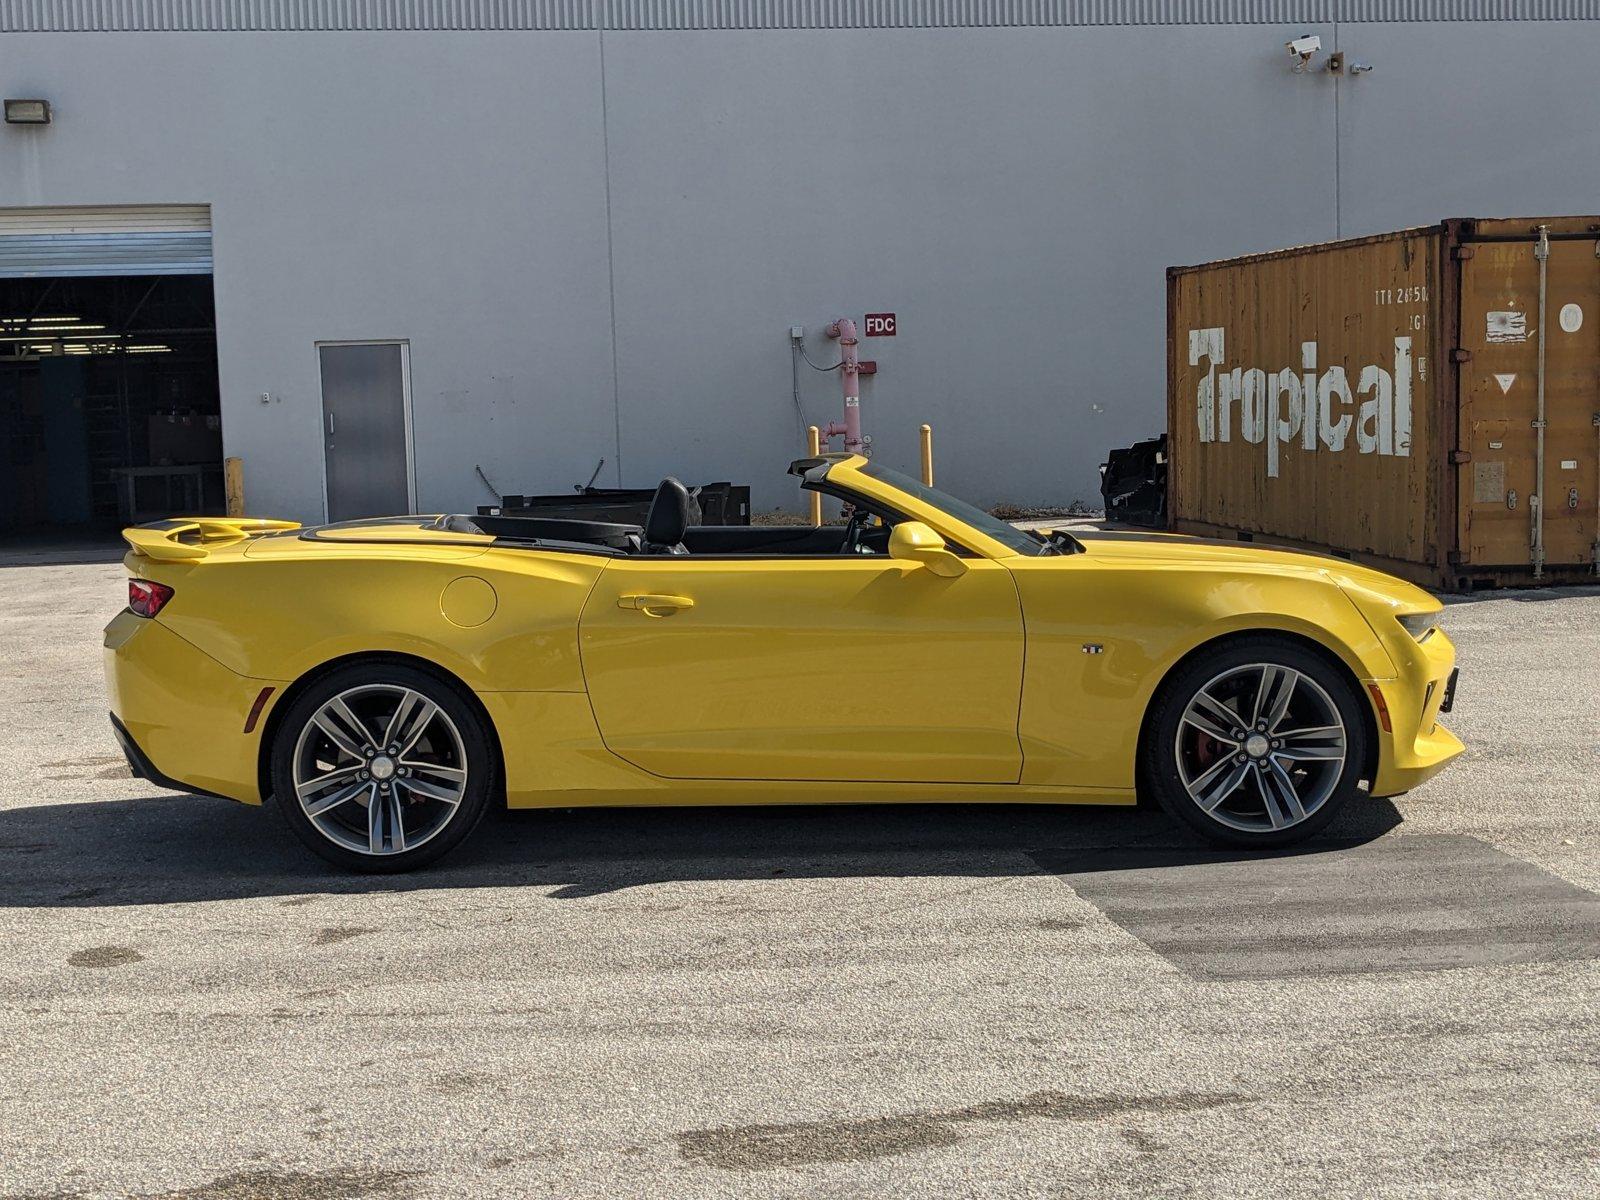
655	606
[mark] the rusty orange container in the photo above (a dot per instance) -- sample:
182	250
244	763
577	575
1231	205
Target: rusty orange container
1427	400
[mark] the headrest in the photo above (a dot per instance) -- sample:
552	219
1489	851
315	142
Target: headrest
671	513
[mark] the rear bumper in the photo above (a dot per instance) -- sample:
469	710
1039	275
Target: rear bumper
140	765
179	715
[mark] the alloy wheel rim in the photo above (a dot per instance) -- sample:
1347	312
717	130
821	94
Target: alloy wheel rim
380	769
1261	747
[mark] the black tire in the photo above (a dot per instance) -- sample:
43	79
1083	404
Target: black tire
456	740
1234	821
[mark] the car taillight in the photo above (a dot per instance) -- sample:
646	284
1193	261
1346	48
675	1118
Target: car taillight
145	598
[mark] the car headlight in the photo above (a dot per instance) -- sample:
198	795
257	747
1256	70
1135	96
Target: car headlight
1419	625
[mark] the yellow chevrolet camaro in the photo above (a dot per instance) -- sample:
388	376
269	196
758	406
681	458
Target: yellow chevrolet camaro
387	680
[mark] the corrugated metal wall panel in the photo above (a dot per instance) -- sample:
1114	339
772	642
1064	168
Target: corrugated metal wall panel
156	239
1356	11
35	255
113	218
910	14
50	16
1243	335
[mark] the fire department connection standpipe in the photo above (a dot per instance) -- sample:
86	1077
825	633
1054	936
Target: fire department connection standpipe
844	330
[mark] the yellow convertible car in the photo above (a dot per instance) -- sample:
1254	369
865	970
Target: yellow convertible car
387	680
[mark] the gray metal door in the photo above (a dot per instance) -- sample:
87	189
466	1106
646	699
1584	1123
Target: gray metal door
365	439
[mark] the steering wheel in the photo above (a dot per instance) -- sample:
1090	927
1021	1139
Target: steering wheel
852	532
856	532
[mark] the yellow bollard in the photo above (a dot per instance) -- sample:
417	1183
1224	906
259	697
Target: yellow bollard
814	448
927	455
233	485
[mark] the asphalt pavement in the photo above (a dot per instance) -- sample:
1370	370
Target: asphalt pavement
1000	1001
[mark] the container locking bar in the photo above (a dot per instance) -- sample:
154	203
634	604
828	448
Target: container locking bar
1595	420
1536	501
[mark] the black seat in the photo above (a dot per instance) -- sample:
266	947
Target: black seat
671	513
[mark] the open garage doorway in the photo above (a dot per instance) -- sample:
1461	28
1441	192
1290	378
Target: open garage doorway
109	402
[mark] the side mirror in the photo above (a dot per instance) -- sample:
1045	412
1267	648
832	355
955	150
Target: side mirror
912	541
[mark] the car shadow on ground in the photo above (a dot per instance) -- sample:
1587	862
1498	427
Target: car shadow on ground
182	849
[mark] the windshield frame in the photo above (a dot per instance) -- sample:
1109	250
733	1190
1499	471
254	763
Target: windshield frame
951	516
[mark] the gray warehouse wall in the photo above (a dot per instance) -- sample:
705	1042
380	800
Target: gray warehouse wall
1014	194
446	189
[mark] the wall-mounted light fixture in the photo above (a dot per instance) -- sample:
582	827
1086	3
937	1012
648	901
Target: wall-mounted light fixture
27	112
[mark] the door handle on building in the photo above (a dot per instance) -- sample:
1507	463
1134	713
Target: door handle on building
655	606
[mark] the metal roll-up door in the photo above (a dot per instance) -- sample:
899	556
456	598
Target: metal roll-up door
156	239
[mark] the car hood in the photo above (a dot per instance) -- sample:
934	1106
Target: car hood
1176	549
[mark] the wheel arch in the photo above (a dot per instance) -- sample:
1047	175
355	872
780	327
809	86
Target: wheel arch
1211	645
269	731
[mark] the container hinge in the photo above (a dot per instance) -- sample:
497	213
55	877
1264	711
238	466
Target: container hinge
1460	456
1458	355
1462	253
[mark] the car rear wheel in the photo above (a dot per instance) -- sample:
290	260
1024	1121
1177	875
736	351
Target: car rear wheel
1259	743
381	767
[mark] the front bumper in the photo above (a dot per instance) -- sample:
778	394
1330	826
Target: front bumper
1449	700
179	715
1416	747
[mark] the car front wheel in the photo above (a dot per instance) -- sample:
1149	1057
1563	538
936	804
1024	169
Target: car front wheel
1258	743
381	767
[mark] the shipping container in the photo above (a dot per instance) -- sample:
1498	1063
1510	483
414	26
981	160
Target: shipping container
1427	401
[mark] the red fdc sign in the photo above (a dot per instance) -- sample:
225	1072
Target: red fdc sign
879	325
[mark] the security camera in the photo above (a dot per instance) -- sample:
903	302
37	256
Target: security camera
1302	48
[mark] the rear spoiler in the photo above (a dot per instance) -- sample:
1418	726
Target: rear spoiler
184	539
